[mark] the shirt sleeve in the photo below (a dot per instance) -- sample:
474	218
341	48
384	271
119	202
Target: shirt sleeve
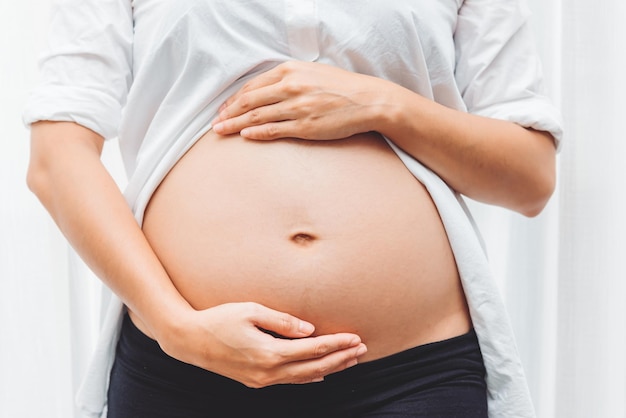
86	68
498	70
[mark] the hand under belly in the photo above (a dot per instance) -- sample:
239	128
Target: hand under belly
338	233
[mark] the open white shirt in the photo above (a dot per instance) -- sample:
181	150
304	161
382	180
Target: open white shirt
154	72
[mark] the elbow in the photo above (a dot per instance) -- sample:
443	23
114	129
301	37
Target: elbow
37	178
541	175
538	194
534	209
37	174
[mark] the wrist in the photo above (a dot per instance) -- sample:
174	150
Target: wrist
164	318
387	110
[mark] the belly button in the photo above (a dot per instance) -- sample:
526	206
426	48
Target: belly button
303	239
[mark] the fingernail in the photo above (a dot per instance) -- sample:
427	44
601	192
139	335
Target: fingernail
362	350
306	328
352	363
317	380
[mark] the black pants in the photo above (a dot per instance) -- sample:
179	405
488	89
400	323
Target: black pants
443	379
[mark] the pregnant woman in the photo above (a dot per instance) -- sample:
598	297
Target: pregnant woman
292	241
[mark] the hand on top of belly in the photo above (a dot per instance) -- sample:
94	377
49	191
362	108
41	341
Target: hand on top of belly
230	340
306	100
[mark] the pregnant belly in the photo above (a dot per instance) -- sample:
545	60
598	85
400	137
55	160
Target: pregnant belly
338	233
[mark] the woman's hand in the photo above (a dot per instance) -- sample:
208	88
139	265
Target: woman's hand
231	340
304	100
490	160
64	171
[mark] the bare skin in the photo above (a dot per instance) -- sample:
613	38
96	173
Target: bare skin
492	161
338	233
65	172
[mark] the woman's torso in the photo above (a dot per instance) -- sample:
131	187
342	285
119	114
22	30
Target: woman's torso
188	56
338	233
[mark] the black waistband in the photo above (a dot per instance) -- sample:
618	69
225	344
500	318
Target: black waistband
446	367
458	353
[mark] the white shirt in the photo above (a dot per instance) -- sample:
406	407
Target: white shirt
154	72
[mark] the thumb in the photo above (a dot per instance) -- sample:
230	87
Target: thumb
280	324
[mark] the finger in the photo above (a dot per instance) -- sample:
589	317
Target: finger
269	131
315	370
305	349
260	116
251	100
281	323
266	79
289	128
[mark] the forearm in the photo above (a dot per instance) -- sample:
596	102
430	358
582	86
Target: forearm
67	176
489	160
69	179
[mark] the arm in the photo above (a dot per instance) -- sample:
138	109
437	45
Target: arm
486	153
491	160
66	174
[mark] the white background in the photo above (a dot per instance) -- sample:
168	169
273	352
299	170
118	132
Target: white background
561	274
